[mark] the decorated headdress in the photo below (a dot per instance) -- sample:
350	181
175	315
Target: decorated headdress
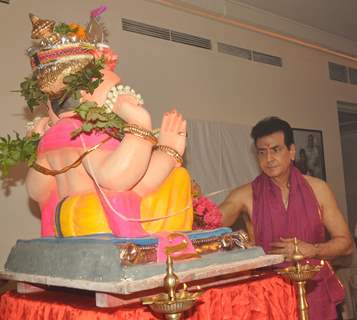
64	49
66	60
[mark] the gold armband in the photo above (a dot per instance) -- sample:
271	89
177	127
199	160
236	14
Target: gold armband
140	132
170	151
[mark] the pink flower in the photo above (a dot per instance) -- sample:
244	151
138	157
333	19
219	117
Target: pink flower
98	11
110	58
213	218
206	214
200	209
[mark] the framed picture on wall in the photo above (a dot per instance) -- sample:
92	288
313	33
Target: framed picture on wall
309	157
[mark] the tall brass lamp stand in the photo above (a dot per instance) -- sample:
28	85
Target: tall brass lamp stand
300	274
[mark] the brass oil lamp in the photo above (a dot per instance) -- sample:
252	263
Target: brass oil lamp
173	303
300	274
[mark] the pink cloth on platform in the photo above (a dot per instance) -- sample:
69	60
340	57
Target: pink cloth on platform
302	220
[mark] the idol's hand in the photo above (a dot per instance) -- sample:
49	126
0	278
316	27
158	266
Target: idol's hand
286	247
173	131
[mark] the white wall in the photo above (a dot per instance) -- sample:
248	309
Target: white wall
203	84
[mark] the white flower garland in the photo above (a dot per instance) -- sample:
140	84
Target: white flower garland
119	90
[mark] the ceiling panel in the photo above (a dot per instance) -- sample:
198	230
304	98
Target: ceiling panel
333	16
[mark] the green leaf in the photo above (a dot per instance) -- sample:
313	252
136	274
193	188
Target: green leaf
96	118
87	127
62	29
30	90
76	133
87	79
101	125
16	150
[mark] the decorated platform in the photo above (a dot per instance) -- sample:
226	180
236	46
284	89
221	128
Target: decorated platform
101	265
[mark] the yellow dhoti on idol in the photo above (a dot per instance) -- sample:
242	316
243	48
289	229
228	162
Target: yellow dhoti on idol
168	209
81	215
174	200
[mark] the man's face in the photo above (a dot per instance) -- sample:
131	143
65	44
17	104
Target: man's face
274	157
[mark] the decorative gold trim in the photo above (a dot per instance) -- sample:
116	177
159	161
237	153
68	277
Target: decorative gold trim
140	132
132	254
170	151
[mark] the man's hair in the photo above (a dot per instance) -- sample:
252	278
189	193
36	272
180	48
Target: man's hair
271	125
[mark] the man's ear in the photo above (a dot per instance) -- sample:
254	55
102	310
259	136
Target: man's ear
292	151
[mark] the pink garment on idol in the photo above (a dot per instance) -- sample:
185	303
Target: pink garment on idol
302	220
126	203
59	136
48	210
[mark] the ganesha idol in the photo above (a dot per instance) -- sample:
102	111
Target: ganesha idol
94	183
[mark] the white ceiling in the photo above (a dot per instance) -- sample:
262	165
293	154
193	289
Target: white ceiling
337	17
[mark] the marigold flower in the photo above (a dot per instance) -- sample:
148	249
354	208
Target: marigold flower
78	31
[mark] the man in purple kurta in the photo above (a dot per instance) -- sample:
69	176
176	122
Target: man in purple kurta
283	204
301	219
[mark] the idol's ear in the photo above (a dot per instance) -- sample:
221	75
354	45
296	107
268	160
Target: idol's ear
292	151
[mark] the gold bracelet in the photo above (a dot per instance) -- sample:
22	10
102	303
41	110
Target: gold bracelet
170	151
140	132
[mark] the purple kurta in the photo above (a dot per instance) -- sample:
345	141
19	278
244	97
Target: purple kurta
302	220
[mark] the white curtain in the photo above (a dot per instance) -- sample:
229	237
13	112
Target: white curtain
220	156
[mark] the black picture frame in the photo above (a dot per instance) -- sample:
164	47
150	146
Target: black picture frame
310	159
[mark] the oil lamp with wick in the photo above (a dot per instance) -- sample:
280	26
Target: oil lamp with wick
173	303
300	274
